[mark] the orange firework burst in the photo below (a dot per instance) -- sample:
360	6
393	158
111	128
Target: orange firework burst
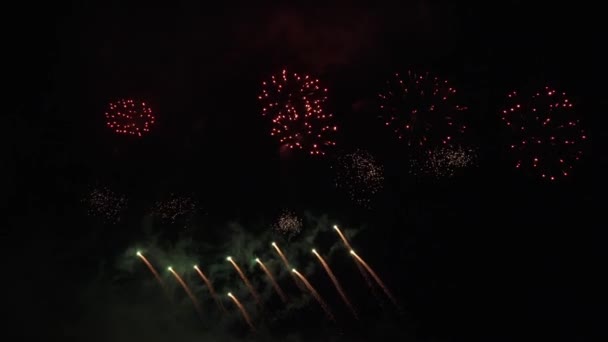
243	311
127	116
315	294
296	105
337	285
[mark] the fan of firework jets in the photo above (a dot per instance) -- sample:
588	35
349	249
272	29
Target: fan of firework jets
297	277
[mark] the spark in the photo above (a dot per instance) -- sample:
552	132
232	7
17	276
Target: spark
443	161
288	224
376	278
105	204
152	269
336	283
360	175
243	311
315	294
255	295
210	287
188	291
274	283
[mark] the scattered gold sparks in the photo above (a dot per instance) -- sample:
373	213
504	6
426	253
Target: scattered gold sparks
288	224
360	175
105	204
443	161
175	209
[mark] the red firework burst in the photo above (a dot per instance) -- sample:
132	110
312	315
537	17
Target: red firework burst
128	116
296	105
546	136
421	109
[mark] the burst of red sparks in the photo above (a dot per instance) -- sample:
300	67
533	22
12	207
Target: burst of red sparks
420	109
546	136
127	116
296	106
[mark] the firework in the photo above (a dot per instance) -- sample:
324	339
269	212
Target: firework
274	283
360	175
376	278
359	267
129	116
288	224
421	109
210	287
296	106
105	204
315	294
443	161
243	311
287	266
254	293
283	258
187	290
152	269
175	209
546	135
336	283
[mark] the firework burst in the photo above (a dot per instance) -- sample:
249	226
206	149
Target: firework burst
443	161
296	106
421	109
360	175
127	116
288	224
546	135
175	209
105	204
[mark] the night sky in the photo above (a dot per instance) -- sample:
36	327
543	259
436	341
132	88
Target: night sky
493	253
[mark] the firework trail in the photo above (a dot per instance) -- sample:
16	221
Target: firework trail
188	291
243	311
210	287
334	280
359	267
276	247
255	295
152	269
272	281
315	294
376	278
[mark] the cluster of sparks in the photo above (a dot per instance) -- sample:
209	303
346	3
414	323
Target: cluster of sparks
175	209
300	279
546	135
288	224
105	204
295	105
360	175
127	116
421	109
443	161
